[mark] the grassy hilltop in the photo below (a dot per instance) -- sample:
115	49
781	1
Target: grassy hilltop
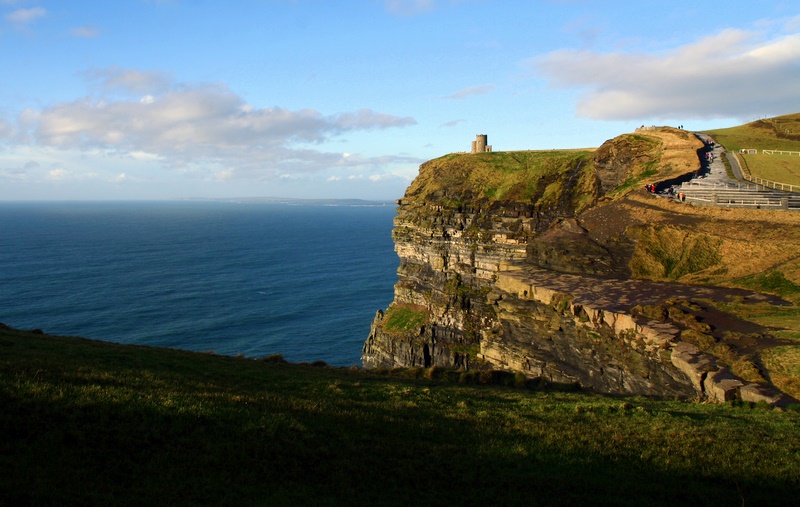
93	423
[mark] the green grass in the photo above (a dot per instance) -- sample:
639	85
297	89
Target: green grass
780	133
784	366
92	423
516	176
772	281
404	318
670	253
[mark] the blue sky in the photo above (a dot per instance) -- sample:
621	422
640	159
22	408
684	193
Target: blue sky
161	99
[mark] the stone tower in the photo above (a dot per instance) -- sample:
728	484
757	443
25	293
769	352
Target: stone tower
480	144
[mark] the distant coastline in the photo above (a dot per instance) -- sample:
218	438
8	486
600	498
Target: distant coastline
289	200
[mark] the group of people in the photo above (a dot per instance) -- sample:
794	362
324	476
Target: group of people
670	191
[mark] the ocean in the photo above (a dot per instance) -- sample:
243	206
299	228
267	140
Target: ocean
250	278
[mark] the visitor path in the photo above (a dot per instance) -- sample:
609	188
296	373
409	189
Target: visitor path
716	169
715	188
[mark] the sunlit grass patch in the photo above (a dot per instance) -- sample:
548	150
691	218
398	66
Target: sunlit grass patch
783	364
402	318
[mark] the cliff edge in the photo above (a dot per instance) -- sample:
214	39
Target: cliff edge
559	265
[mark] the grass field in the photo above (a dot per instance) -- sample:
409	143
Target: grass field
780	133
511	176
93	423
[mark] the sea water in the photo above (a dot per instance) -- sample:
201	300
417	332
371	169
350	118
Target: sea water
248	278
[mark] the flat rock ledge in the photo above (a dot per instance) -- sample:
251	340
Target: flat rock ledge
710	380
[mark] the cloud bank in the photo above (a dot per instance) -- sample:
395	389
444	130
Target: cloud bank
22	17
470	91
732	74
148	116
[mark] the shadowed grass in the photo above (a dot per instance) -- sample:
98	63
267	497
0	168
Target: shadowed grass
93	423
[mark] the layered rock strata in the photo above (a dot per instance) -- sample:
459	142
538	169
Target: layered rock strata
518	283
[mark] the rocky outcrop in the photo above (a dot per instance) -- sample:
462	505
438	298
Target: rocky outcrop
499	271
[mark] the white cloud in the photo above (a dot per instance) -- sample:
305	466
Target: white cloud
367	119
22	17
453	123
471	90
414	7
6	129
197	128
20	173
130	81
86	31
225	175
409	7
57	174
730	74
143	155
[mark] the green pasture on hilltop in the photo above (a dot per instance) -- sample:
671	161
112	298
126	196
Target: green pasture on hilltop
511	176
779	133
93	423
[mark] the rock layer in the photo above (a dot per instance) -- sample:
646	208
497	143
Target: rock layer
502	282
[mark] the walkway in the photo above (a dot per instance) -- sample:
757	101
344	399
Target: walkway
715	188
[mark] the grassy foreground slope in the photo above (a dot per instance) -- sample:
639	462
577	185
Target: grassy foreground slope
92	423
778	133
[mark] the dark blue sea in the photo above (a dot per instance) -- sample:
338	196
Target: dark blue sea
233	278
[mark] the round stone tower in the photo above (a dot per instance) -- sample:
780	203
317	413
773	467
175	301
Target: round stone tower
481	141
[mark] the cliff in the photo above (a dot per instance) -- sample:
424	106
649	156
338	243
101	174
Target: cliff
525	261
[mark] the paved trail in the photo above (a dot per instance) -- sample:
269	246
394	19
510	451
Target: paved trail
716	169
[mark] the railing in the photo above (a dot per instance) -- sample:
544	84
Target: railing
772	184
744	202
718	186
779	152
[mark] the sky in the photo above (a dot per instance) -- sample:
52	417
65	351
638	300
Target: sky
174	99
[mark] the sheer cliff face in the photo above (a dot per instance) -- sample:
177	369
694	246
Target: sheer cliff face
462	229
524	261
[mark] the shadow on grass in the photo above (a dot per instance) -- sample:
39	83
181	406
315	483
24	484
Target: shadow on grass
85	423
56	453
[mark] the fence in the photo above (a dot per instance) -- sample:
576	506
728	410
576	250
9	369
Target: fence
772	184
780	203
779	152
